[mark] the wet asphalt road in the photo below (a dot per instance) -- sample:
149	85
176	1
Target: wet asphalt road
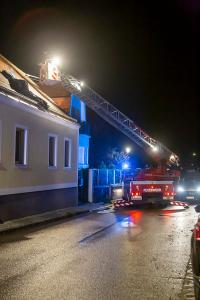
139	254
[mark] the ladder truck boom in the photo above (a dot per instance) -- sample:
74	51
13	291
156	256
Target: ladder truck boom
116	118
50	72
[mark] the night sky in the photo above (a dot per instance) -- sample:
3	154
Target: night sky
142	56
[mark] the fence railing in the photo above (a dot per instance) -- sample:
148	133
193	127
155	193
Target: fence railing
100	181
106	177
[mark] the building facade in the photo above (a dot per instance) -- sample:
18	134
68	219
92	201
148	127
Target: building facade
75	108
78	111
38	149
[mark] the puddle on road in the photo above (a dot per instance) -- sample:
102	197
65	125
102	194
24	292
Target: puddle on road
106	211
172	212
132	220
126	223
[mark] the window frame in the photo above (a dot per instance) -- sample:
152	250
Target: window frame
70	153
25	158
55	136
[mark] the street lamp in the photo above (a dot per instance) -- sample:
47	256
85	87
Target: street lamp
128	150
125	166
194	154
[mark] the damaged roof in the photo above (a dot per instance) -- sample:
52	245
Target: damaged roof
15	82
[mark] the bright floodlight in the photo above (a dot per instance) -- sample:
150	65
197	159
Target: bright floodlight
125	166
82	83
56	60
180	189
128	149
155	148
172	157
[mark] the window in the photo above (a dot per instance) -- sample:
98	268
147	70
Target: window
83	155
21	141
67	153
86	156
52	151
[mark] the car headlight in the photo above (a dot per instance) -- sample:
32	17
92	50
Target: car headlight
198	189
180	189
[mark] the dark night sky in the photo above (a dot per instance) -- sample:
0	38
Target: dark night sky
143	56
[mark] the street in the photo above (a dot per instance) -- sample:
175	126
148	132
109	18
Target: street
135	254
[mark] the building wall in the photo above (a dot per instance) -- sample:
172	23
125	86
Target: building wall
36	176
17	206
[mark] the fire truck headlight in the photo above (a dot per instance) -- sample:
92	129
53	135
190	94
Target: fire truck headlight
180	189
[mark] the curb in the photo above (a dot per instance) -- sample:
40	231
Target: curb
107	206
10	226
41	222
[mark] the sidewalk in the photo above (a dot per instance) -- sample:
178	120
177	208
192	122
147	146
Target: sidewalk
52	216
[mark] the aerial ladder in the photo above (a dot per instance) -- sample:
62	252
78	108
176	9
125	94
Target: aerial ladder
107	111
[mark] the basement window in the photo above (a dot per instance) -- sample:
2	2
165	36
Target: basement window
21	145
52	151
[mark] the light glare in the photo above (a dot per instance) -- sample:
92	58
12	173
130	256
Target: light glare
128	149
180	189
56	61
125	166
118	191
172	157
155	148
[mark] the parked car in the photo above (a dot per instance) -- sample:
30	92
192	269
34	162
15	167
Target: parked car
188	188
195	255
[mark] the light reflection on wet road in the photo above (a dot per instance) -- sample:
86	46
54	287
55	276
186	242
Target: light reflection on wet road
135	254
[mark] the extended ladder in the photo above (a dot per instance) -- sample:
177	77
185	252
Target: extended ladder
117	119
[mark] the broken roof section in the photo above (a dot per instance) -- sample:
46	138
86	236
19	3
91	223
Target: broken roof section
14	82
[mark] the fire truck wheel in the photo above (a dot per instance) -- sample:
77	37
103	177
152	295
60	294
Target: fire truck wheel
164	204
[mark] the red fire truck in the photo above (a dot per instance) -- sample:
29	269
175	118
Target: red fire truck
151	185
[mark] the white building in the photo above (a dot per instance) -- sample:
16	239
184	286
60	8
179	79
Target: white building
38	148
